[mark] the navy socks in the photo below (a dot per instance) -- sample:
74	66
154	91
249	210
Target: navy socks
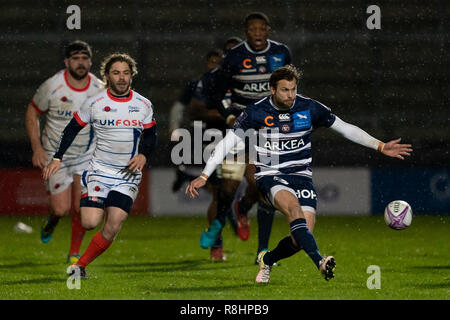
284	249
265	216
305	239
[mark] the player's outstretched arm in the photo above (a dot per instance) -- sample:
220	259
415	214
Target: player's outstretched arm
219	153
353	133
396	150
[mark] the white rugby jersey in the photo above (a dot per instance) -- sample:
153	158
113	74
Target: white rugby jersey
118	124
59	100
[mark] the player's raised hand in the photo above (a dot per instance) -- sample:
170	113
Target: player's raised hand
396	150
39	158
195	184
51	168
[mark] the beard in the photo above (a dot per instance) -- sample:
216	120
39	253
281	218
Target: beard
283	104
78	75
118	91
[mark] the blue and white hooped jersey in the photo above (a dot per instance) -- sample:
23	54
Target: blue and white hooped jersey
284	136
248	72
118	124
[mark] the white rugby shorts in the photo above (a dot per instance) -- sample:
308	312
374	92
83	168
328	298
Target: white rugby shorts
63	178
97	184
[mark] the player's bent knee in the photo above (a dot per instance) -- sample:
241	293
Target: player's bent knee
89	225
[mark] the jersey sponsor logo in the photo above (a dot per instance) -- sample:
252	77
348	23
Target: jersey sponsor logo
257	87
262	69
306	194
269	121
64	99
285	145
133	109
65	113
302	120
284	117
248	70
276	61
261	60
120	122
247	63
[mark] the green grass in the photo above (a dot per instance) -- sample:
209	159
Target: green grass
160	258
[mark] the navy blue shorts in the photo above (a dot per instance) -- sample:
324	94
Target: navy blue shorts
300	186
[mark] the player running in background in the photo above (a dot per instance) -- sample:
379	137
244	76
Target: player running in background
125	129
202	109
177	113
58	98
283	165
245	71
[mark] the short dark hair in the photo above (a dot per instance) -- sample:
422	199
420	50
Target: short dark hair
256	15
288	72
114	57
234	39
77	46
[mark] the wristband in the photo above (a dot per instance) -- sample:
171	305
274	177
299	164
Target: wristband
57	159
204	176
380	146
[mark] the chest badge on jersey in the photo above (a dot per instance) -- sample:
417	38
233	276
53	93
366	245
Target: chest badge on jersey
276	61
285	128
302	120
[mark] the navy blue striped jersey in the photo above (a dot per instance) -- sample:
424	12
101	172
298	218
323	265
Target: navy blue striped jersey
205	87
284	136
246	73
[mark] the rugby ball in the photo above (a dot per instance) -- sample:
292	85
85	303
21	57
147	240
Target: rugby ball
398	215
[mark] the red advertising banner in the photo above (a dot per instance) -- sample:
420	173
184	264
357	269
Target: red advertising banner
23	192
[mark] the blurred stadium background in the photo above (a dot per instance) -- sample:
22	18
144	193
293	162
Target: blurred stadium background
392	82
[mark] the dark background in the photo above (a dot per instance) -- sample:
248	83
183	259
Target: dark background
391	82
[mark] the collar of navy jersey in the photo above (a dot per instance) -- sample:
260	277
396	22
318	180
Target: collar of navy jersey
257	52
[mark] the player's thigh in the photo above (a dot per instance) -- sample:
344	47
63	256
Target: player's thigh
60	202
287	203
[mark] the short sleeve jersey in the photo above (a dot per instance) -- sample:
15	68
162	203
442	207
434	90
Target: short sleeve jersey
59	101
284	144
249	71
118	124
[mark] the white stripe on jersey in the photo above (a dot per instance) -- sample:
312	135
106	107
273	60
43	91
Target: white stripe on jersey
283	136
287	164
262	173
265	152
250	77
